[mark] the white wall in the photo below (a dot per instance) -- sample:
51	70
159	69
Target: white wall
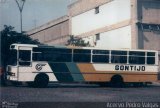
114	39
109	13
119	38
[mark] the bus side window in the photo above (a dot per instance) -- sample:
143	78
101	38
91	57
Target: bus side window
119	57
136	57
82	55
24	57
150	57
100	56
53	55
38	56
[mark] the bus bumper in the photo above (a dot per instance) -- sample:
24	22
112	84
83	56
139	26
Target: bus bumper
11	78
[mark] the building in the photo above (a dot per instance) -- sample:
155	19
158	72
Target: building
107	23
53	32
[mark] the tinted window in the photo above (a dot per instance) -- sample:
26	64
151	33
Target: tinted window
136	53
150	57
100	52
136	60
136	57
83	51
150	53
24	57
100	58
52	50
52	54
38	57
150	60
13	58
119	52
119	59
145	27
81	57
119	56
154	27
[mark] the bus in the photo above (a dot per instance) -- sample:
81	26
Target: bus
40	64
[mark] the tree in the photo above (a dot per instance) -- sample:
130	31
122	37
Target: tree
8	36
75	41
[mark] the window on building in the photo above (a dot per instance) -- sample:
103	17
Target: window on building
145	27
154	27
97	10
97	37
149	27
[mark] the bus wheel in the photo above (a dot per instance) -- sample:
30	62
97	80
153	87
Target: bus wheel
41	80
117	81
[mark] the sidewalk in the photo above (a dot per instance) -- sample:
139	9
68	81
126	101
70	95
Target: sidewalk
156	83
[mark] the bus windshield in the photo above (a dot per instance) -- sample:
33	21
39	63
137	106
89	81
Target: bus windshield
13	58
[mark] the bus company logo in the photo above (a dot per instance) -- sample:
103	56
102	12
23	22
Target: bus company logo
39	66
130	68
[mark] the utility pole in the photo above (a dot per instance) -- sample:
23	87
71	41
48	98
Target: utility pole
20	7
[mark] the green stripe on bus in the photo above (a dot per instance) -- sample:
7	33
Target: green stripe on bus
61	72
75	72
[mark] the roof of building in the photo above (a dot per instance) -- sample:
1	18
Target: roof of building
48	25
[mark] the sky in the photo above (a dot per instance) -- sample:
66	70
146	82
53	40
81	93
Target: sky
35	12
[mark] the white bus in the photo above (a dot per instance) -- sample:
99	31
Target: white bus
40	65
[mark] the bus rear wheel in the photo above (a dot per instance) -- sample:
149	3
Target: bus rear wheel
117	81
41	80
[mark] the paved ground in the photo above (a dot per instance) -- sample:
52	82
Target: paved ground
80	93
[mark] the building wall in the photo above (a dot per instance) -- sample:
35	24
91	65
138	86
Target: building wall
118	38
52	33
110	13
113	23
149	13
82	6
117	22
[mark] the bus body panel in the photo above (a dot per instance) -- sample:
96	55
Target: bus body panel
80	71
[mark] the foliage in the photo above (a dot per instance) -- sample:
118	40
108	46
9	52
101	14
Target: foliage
74	41
8	36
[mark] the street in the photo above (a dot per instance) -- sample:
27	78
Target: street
80	93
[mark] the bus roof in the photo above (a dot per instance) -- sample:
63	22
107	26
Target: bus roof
75	47
94	48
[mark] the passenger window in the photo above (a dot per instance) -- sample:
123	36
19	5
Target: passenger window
119	56
100	58
82	55
150	57
136	57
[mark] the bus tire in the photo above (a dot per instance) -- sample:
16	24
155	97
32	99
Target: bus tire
117	81
41	80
